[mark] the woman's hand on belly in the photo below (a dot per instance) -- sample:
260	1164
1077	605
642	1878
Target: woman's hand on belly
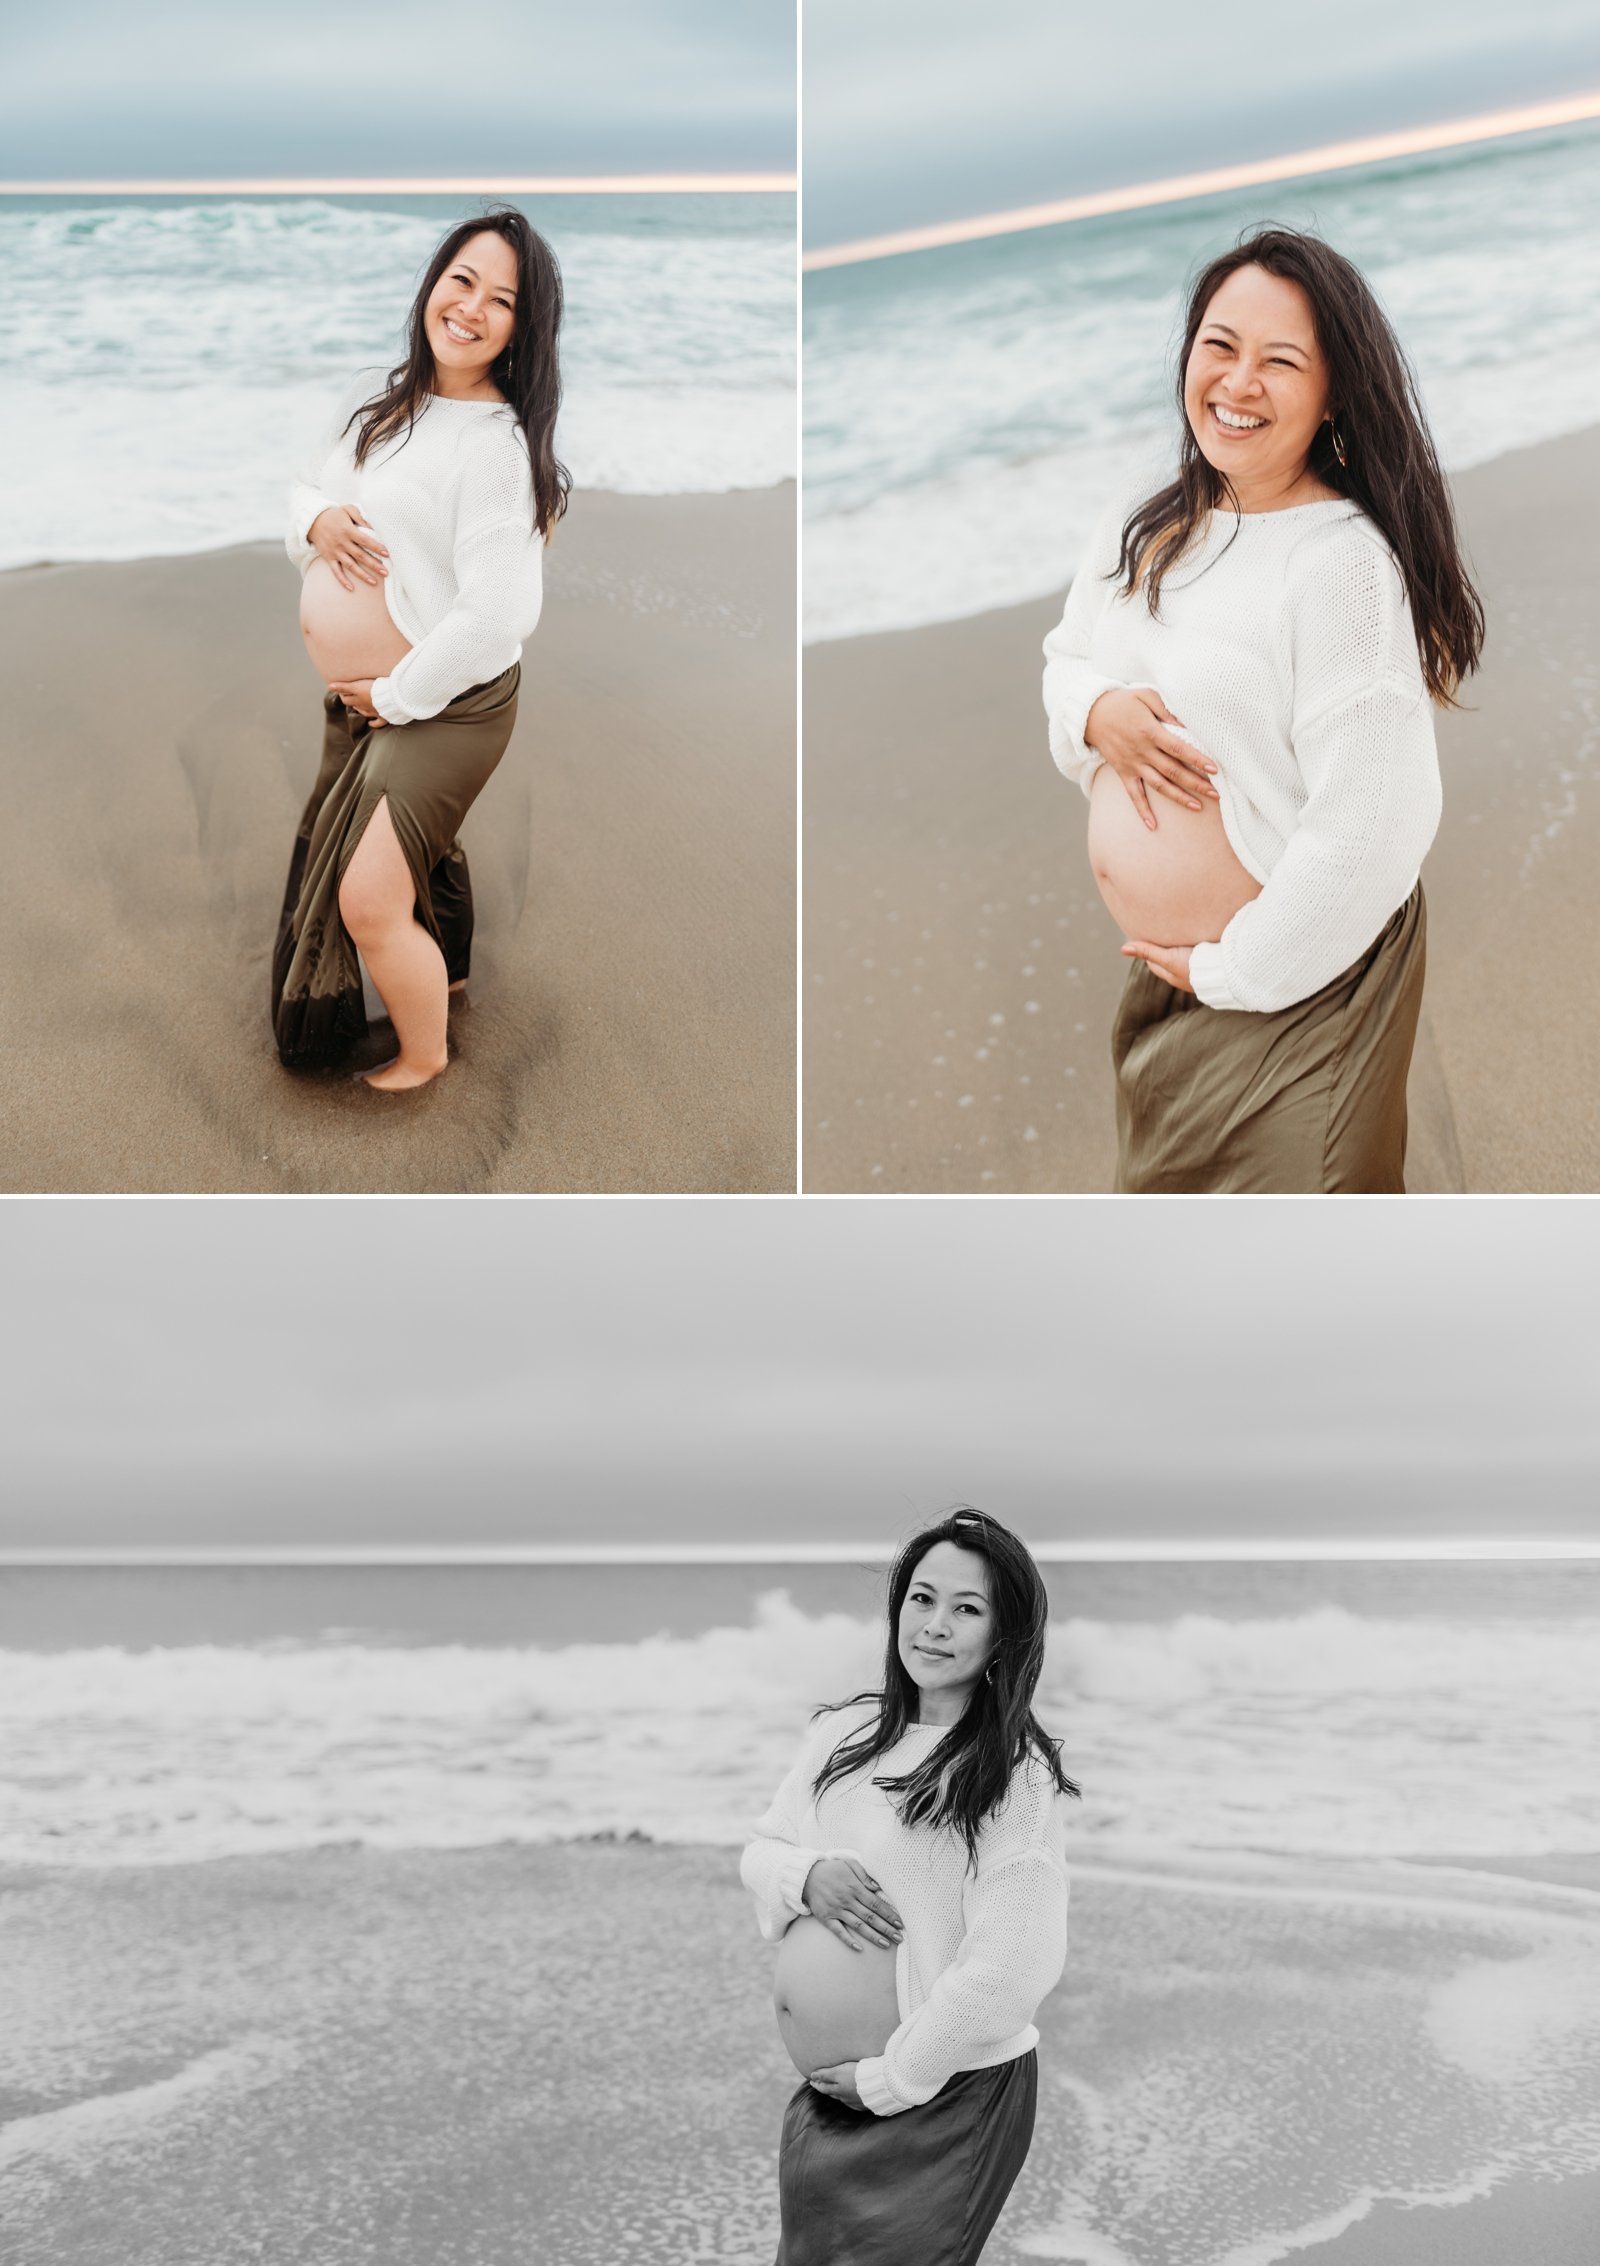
345	539
850	1904
1136	735
356	693
839	2083
1169	961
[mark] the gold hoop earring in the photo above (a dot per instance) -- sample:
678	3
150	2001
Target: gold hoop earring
1338	445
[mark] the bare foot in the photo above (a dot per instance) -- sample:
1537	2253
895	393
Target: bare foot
400	1076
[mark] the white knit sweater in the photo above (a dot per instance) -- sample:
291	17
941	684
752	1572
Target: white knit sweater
1285	643
980	1950
454	504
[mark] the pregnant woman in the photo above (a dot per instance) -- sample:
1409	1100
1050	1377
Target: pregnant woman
1241	684
419	527
911	1870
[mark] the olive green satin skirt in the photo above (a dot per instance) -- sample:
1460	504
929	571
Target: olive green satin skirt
1308	1101
431	773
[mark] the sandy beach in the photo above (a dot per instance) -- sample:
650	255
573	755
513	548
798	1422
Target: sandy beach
630	1022
567	2053
961	973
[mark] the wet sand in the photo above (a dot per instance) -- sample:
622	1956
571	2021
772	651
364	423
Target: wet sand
387	2058
630	1022
961	972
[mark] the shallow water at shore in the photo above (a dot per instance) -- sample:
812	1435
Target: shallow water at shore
570	2053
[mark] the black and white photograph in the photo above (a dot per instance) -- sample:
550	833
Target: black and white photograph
904	1732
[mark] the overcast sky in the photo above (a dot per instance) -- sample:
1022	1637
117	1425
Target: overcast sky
704	1370
925	110
185	87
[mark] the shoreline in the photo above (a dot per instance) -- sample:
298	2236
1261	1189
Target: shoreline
274	544
630	1021
961	973
421	2044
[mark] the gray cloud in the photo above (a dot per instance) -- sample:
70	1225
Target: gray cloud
699	1370
918	113
518	86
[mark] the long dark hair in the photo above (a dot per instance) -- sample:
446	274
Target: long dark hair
966	1777
1391	469
528	371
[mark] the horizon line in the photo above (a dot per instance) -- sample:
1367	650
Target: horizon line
1329	157
1240	1549
445	185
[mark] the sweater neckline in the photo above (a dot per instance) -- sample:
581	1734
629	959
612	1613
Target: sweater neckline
451	403
1292	511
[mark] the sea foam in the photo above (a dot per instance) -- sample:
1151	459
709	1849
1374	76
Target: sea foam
1319	1733
163	362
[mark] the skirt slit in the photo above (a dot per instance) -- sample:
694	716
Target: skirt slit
429	773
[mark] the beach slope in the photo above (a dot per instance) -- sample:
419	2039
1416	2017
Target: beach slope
387	2058
630	1022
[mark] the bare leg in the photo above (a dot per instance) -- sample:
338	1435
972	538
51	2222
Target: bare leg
377	899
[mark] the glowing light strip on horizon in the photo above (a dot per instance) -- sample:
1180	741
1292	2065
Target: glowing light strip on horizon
1241	1549
533	185
1334	157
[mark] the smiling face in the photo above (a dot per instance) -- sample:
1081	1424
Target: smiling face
946	1630
1256	389
470	314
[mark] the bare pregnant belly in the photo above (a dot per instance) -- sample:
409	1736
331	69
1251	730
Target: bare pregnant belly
1181	884
348	633
834	2004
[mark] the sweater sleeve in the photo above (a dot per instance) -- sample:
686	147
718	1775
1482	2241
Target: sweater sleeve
497	560
1072	683
1362	733
783	1848
1011	1957
306	498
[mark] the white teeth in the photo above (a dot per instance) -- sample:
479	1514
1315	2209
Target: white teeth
1237	423
470	337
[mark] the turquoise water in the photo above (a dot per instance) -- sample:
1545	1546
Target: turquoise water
969	411
167	356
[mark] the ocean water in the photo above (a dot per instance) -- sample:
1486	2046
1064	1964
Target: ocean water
166	357
970	411
1274	2015
1290	1710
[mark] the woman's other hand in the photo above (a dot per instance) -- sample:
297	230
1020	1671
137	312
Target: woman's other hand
1169	961
356	693
342	537
850	1904
1135	732
839	2083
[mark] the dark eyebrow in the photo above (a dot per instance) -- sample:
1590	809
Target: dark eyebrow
1293	345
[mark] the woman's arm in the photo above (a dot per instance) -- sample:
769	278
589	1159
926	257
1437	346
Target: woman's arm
1363	739
499	574
781	1852
1072	683
306	498
1011	1956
